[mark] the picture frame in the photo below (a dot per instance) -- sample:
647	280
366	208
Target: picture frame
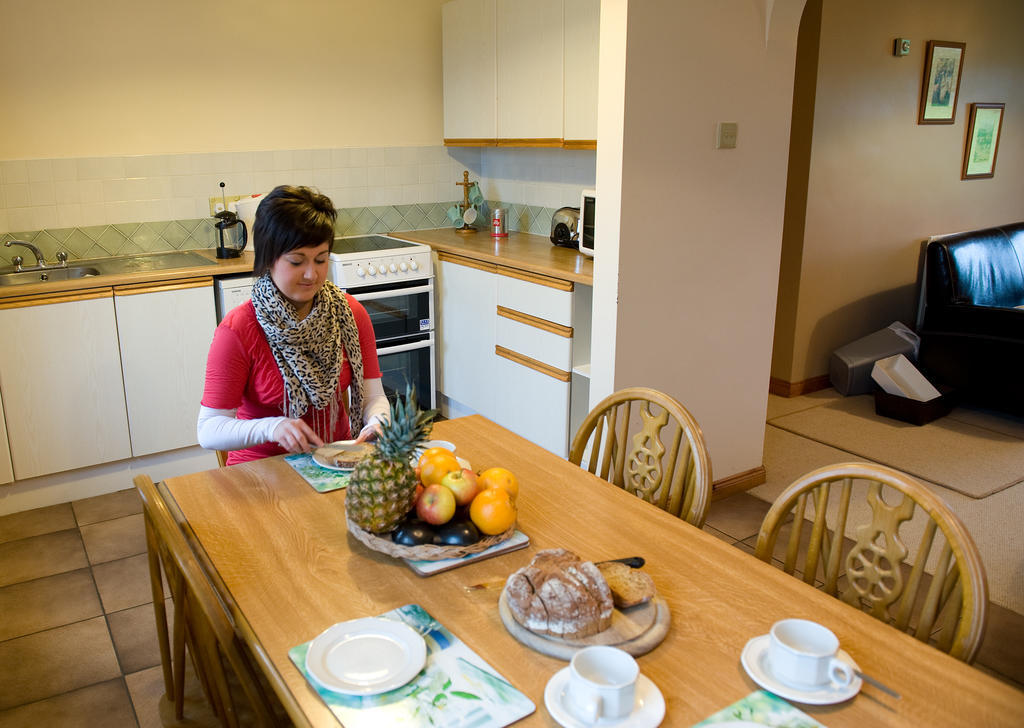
983	129
940	88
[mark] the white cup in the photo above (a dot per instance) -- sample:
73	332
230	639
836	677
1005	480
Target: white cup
802	654
602	683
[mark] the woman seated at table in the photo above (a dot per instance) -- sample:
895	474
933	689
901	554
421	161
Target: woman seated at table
280	363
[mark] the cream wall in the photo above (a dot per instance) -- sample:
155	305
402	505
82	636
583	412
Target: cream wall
877	182
122	77
700	229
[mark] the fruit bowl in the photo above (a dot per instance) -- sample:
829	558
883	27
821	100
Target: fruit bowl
424	552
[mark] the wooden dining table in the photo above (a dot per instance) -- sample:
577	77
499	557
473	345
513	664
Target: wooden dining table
288	568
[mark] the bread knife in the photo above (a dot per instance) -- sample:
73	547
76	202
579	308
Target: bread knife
634	562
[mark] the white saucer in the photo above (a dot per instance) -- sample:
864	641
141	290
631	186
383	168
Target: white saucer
366	656
648	706
755	662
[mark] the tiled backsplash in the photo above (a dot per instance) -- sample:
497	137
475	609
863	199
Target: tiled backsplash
80	206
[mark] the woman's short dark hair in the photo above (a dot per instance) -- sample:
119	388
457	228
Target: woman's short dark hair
289	218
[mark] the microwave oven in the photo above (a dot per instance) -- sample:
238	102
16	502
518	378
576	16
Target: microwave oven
586	224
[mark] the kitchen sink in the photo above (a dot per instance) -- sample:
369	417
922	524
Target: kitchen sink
107	266
47	274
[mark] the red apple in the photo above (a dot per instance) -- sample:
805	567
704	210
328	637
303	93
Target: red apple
436	505
462	484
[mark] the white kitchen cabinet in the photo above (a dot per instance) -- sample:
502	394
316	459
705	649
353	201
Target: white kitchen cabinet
60	372
465	298
529	68
6	468
582	34
468	57
520	72
533	404
506	347
165	332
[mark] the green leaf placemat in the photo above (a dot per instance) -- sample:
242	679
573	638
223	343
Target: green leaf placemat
323	480
762	708
455	688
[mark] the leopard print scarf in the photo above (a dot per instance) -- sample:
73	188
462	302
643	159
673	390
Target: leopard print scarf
310	353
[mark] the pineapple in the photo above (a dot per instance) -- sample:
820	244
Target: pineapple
382	487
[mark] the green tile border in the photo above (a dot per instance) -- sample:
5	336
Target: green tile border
102	241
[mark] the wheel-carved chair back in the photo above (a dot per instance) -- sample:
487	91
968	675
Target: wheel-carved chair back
940	597
647	443
200	620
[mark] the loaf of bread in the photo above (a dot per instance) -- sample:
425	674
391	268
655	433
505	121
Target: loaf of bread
629	586
560	595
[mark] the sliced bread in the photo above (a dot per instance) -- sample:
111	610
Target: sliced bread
629	586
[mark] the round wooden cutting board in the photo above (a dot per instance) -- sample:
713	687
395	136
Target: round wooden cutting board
637	630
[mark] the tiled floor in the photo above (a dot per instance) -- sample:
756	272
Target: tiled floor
77	637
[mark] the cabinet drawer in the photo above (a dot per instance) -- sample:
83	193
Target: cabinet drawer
533	405
543	300
549	347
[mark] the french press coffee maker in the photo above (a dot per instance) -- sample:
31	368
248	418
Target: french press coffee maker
231	232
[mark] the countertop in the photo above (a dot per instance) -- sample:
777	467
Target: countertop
217	267
523	251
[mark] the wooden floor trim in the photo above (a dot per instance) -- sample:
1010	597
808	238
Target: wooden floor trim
782	388
738	483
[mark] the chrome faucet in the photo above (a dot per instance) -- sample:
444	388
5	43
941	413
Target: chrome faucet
40	260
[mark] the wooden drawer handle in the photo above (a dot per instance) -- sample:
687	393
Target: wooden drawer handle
536	322
538	366
133	289
468	262
42	299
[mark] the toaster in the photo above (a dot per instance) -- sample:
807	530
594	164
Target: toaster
565	227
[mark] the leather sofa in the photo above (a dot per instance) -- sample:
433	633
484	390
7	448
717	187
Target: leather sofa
971	317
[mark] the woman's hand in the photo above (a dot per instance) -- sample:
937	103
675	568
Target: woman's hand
370	432
296	436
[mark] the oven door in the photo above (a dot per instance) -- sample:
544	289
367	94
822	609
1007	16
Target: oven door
408	361
398	309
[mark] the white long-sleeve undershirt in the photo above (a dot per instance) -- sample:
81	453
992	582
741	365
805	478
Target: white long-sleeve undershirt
220	429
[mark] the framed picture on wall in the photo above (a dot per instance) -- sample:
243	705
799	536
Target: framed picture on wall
982	141
943	62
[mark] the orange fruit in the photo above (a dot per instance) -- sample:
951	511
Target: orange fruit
492	511
433	452
500	478
434	466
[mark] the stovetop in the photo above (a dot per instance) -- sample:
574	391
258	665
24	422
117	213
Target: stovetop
369	244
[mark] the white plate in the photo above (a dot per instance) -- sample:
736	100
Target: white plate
366	656
755	662
340	445
648	705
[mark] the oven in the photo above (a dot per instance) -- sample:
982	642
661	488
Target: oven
393	280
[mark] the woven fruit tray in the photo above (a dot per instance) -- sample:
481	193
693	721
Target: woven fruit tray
425	552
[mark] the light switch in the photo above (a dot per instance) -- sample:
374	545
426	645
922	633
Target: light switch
727	132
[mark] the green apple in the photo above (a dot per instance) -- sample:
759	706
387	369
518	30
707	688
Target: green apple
462	484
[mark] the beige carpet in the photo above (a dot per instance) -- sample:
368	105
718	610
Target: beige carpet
971	454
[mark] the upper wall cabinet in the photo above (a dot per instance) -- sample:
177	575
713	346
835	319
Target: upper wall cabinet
582	37
530	94
521	72
470	92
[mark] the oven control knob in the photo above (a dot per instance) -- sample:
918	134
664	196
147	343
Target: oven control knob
383	270
413	265
403	267
372	270
393	268
360	272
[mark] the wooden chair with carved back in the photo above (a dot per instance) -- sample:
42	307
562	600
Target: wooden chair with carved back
649	444
853	544
201	621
